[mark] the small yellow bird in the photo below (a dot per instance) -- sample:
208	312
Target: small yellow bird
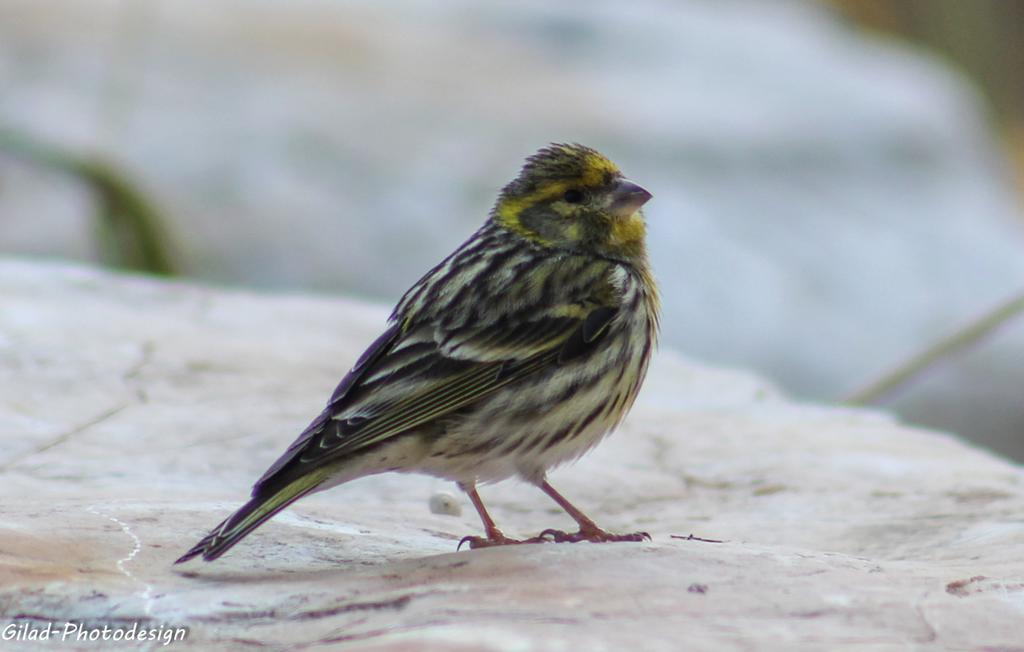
518	352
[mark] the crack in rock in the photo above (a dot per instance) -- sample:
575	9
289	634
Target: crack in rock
397	604
369	634
146	594
130	377
63	437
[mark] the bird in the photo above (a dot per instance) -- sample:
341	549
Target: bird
517	353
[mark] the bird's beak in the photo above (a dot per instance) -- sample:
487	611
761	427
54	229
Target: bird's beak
627	198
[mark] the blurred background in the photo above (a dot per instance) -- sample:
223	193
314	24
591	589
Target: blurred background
838	184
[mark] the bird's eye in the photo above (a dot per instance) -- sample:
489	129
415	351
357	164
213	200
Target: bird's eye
573	196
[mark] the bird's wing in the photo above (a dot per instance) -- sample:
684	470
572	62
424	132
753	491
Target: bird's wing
409	378
366	361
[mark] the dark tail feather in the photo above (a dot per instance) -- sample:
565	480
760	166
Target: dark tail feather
249	517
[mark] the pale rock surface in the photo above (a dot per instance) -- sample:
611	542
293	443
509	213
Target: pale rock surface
135	414
826	203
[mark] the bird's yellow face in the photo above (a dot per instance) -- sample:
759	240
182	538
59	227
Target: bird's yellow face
572	197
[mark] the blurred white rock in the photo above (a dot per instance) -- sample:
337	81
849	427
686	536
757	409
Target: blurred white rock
443	502
825	203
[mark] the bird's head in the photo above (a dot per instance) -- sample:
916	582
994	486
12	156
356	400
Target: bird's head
572	197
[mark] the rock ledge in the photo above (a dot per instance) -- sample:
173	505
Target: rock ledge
136	413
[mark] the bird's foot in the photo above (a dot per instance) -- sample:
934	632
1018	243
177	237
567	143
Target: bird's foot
493	539
591	534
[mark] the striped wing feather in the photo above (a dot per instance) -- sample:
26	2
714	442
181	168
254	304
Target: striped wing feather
409	378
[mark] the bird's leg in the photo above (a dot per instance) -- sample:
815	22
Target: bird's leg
495	537
589	530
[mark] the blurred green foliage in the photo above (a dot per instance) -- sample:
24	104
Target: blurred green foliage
131	231
984	39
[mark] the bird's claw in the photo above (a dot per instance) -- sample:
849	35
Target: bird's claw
491	542
556	536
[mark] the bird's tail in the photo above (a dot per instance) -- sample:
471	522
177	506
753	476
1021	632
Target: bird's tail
250	516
